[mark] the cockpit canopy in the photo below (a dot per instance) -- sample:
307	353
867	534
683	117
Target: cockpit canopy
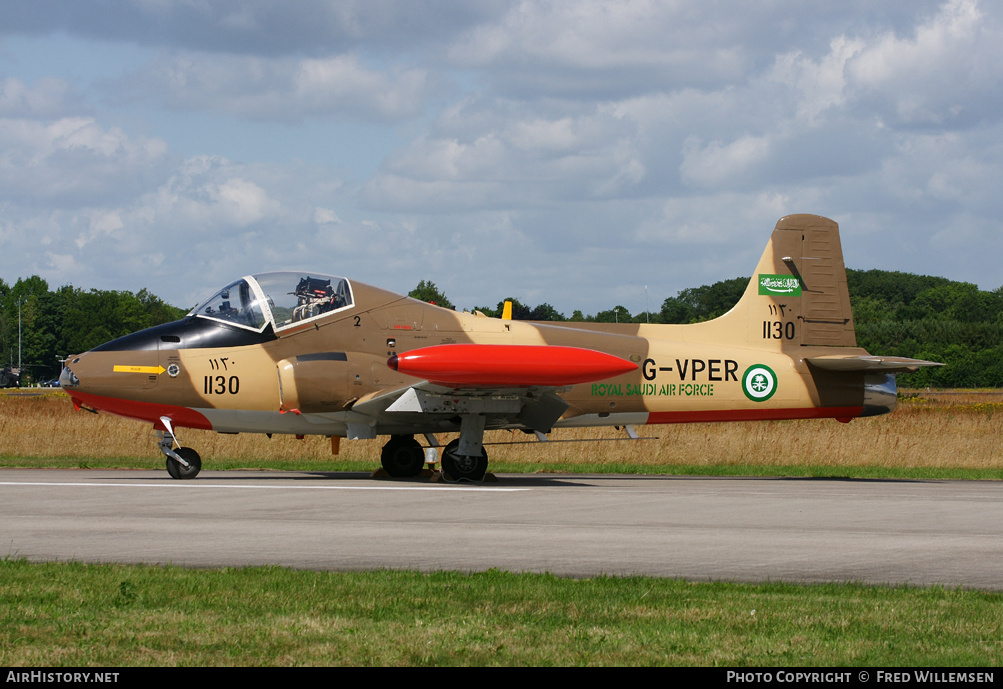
281	298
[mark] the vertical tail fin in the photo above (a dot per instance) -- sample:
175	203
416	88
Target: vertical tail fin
798	294
825	299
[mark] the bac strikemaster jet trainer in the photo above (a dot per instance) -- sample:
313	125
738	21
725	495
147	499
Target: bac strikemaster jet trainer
310	354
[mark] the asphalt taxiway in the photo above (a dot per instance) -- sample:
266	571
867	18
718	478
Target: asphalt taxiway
697	528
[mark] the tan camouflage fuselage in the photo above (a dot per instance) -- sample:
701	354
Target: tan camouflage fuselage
787	350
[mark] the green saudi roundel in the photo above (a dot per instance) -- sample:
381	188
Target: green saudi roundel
759	382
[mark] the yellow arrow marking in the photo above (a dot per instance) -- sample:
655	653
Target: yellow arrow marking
139	369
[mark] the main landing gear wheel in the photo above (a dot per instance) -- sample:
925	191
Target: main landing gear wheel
178	470
403	457
456	467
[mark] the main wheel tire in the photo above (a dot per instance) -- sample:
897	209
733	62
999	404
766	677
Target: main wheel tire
458	467
179	471
403	457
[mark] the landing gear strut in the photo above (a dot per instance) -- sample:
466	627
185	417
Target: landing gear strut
183	462
456	467
465	457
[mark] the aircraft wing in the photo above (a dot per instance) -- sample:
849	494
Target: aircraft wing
878	364
537	407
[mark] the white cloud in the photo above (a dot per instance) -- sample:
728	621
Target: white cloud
49	97
719	163
950	69
819	86
614	144
494	155
207	195
281	90
325	216
261	27
936	45
243	202
74	160
99	223
589	45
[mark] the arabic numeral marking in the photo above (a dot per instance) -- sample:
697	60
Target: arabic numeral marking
778	330
220	385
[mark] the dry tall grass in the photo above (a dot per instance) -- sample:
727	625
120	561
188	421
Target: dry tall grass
956	430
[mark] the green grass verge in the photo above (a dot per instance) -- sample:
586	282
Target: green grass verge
502	467
818	471
112	615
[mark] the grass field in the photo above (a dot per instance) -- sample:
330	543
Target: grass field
108	615
77	615
938	435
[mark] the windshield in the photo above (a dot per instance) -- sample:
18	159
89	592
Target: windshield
282	298
236	303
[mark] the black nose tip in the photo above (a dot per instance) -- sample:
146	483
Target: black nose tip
392	362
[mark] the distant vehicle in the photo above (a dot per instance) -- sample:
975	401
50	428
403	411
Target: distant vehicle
9	379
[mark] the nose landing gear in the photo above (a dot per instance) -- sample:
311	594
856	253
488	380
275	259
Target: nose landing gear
191	467
183	462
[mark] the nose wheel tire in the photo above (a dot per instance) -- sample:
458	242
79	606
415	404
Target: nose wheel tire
456	467
178	470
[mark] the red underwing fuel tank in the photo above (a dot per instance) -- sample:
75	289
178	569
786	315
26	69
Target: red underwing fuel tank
491	366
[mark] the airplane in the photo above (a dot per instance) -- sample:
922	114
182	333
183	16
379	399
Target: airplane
315	354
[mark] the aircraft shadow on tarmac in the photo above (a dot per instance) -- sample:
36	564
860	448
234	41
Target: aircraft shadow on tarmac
511	480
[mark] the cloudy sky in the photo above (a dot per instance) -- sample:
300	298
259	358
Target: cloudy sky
570	152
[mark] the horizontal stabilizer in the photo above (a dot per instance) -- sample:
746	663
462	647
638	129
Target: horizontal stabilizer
508	366
883	364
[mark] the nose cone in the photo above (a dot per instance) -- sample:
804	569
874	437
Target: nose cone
114	373
136	377
119	382
67	378
122	366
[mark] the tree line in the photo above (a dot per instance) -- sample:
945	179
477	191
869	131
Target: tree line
922	317
896	314
56	323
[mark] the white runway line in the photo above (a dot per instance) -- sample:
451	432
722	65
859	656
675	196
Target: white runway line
187	486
